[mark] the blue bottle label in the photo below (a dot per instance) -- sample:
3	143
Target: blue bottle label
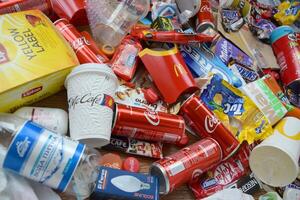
43	156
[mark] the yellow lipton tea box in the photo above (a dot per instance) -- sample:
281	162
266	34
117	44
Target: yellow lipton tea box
34	59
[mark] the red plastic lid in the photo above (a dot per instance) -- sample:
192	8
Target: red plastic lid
111	160
131	164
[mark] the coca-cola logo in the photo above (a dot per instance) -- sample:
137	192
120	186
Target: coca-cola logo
79	42
211	123
88	98
197	174
152	117
205	8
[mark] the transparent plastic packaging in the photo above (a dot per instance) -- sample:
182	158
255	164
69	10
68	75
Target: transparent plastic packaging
111	20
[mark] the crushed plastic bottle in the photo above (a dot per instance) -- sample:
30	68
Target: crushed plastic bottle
111	20
46	157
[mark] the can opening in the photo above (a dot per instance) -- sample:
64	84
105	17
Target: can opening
156	171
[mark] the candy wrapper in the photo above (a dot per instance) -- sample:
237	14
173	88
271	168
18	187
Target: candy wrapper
274	86
135	97
163	9
266	101
237	111
288	12
223	175
135	147
200	65
226	51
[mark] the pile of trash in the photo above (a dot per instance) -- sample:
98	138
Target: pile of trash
140	74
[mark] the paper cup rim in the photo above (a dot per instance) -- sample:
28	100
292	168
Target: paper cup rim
91	67
93	140
295	164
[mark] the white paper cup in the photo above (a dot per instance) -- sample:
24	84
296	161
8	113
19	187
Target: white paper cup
275	160
90	87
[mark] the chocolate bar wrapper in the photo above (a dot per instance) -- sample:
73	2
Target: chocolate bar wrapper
223	175
135	147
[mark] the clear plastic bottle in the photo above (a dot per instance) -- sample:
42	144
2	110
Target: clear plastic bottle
111	20
46	157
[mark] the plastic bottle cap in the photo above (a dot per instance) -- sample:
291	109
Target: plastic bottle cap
150	95
108	50
111	160
131	164
280	32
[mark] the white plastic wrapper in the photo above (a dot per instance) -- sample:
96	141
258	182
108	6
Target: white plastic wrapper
232	194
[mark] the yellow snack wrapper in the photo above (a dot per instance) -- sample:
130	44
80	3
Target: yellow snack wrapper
288	12
236	110
34	59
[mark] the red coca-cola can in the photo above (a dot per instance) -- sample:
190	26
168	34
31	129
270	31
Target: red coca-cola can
187	164
205	17
286	46
22	5
145	124
206	124
82	47
72	10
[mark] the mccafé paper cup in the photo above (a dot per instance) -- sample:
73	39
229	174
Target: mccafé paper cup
90	90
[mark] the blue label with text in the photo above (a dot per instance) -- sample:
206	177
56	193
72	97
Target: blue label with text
43	156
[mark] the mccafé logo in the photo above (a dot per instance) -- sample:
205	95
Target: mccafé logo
211	123
179	69
152	117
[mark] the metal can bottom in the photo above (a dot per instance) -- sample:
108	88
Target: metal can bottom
204	26
163	180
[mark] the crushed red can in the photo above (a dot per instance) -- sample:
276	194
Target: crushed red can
187	164
206	124
205	17
145	124
125	59
22	5
222	175
79	43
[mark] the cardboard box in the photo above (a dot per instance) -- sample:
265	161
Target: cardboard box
34	59
123	185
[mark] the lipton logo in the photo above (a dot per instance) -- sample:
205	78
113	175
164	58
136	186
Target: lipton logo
22	147
32	91
152	117
3	54
205	8
179	69
211	123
